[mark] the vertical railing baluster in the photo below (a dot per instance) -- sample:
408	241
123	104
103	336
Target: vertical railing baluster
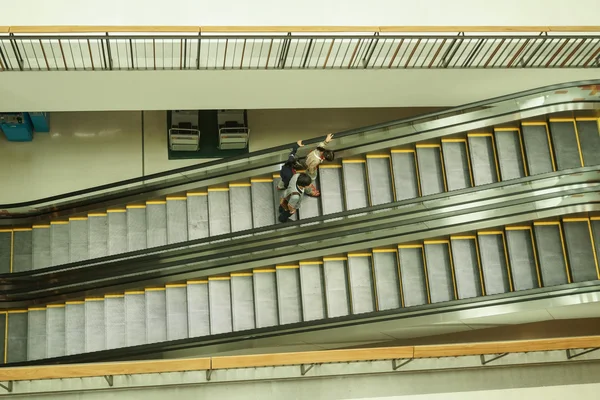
15	49
109	53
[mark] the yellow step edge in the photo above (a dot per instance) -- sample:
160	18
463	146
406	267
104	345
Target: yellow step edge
261	271
154	289
241	274
427	146
59	223
595	218
116	210
311	262
403	151
136	206
517	228
78	219
581	219
218	189
175	285
262	180
359	255
94	299
36	309
132	292
410	246
6	230
534	123
75	302
587	119
40	226
219	278
287	266
378	156
176	198
329	166
546	223
454	140
156	202
16	311
385	250
55	306
507	129
97	215
275	176
479	134
466	237
197	281
436	242
22	229
193	194
335	259
562	119
356	161
113	296
490	233
231	185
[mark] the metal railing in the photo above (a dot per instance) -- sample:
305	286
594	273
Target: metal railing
287	50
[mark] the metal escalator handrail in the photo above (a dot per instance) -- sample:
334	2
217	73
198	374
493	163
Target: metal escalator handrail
583	174
123	188
400	226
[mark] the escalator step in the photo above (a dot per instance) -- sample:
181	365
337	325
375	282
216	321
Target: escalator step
564	141
537	148
114	314
242	295
240	198
386	279
355	184
595	221
197	211
406	182
218	211
41	246
98	235
135	318
580	249
117	231
3	337
550	253
75	327
137	237
431	174
311	206
23	250
412	270
36	334
265	297
156	223
589	139
262	203
456	164
59	242
493	263
16	350
219	300
313	294
177	220
177	318
380	179
5	251
336	286
483	159
288	294
466	267
361	283
332	189
78	239
156	315
510	154
95	325
55	331
522	258
439	271
197	300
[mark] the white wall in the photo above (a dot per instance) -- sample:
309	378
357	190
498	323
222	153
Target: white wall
256	89
306	12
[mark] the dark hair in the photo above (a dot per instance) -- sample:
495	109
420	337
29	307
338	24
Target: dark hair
303	180
329	155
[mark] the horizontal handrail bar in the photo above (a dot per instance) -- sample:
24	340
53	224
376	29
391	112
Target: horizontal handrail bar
299	358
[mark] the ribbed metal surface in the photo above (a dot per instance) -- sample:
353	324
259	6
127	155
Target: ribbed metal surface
265	299
386	280
580	251
551	256
55	331
510	158
75	328
135	319
313	293
522	259
380	180
288	295
493	264
311	206
177	318
242	307
262	204
336	288
362	291
589	138
136	229
430	170
5	251
36	334
59	244
41	248
117	232
22	251
218	212
95	326
457	165
78	240
355	185
565	146
98	236
483	161
537	150
439	272
466	269
412	270
17	337
596	235
197	295
332	190
156	316
177	221
405	176
156	224
197	217
240	205
3	337
277	195
114	314
219	300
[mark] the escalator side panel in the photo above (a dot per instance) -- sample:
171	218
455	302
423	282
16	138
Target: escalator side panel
406	181
580	249
439	270
456	163
537	148
589	138
550	252
466	267
522	257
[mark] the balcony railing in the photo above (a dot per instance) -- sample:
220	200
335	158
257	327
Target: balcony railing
195	48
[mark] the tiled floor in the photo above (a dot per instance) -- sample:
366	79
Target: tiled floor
87	149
